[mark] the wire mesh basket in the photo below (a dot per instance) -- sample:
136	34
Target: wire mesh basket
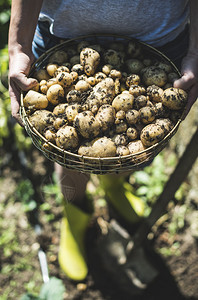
96	165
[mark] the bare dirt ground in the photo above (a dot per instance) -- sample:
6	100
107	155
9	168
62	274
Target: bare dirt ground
174	256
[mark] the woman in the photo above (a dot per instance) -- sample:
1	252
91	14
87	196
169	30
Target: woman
171	26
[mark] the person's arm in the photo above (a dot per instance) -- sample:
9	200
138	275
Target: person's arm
24	18
189	70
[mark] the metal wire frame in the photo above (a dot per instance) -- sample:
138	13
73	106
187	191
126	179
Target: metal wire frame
118	164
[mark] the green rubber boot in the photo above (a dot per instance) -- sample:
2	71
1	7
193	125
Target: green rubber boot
119	194
72	256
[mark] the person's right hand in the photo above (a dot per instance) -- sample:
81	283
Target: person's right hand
19	67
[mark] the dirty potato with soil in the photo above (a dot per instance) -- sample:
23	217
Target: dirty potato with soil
105	100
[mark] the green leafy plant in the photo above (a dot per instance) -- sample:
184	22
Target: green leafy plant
151	180
51	290
25	193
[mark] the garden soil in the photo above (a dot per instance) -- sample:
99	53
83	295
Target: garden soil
20	270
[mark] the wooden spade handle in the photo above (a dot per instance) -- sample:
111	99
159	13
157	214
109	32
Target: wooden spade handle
177	177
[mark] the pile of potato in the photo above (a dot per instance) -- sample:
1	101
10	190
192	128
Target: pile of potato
104	100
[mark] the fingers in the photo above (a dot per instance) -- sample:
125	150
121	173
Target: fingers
189	83
15	103
19	83
192	97
23	82
186	81
19	68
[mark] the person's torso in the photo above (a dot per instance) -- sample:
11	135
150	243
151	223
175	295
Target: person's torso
154	22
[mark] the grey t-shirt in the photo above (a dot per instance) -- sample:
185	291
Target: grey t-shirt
155	22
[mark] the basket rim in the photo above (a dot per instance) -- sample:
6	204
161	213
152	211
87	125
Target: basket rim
61	45
45	56
153	147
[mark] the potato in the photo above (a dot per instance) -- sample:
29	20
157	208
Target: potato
120	139
71	51
132	133
136	146
175	115
147	114
43	86
61	69
51	82
117	86
140	101
167	85
97	47
123	101
147	62
75	60
58	57
51	69
82	77
115	74
172	76
73	96
154	75
134	49
60	109
99	76
105	116
152	134
41	119
121	127
36	87
81	45
106	69
155	93
120	115
50	135
103	147
132	116
165	123
71	112
55	94
134	66
59	122
89	59
41	74
68	89
99	147
35	100
174	98
164	66
91	80
113	58
150	104
67	137
86	124
74	76
82	86
78	68
46	146
85	149
64	79
102	93
137	90
161	111
122	150
132	79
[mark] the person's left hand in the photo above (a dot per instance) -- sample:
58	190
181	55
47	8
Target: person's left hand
189	80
